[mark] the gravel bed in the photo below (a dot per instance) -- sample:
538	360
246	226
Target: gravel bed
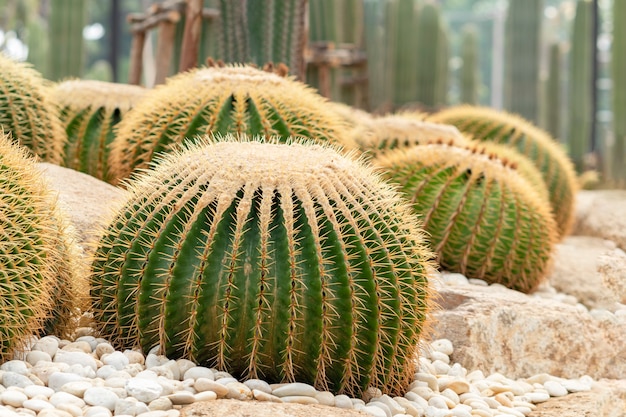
88	377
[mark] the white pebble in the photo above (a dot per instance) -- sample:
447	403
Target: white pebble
35	356
343	401
536	397
438	401
37	405
76	358
116	359
182	398
48	344
13	379
258	395
98	411
296	388
299	399
325	398
205	384
13	398
100	396
393	406
573	385
375	410
144	390
555	389
238	391
199	372
443	345
258	384
210	395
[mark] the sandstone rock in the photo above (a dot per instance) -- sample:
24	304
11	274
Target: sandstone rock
607	399
234	408
600	213
612	268
86	200
494	329
575	270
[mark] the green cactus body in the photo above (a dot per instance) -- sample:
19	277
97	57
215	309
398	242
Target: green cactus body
485	124
89	111
27	113
233	99
65	30
618	67
402	18
289	262
469	71
483	219
523	40
39	270
581	85
384	134
552	97
431	46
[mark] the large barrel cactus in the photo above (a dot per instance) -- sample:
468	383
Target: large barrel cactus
384	134
483	218
230	99
289	262
89	111
27	113
487	124
39	262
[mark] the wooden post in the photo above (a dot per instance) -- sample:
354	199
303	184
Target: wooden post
165	48
136	57
191	36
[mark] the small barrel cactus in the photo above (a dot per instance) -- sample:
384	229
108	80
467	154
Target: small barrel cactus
89	111
27	113
487	124
220	100
384	134
484	220
39	262
289	262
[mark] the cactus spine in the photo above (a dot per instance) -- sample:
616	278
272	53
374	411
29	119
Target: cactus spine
470	78
580	85
286	261
41	283
619	91
27	113
523	40
232	99
89	111
486	124
483	219
66	23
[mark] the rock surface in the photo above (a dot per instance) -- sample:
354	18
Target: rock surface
606	399
577	260
495	329
600	213
85	199
234	408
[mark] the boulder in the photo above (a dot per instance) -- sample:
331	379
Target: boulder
495	329
86	200
600	213
576	270
606	399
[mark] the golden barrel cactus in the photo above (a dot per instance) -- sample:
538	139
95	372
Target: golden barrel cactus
27	112
90	110
219	100
289	262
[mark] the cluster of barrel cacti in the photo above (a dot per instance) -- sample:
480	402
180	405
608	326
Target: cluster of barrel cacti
276	235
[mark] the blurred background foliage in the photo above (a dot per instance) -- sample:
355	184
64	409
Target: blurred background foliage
541	61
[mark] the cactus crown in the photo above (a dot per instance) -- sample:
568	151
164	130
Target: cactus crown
230	99
82	94
483	218
391	132
558	173
26	112
287	261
